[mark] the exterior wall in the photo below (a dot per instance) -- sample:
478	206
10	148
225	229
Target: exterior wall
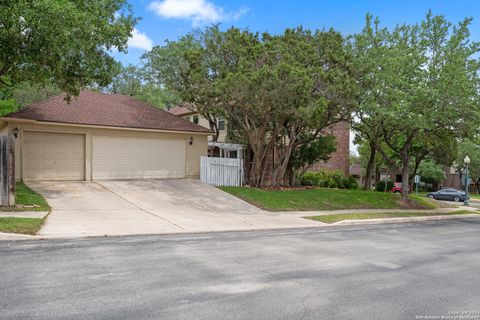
202	121
193	152
339	160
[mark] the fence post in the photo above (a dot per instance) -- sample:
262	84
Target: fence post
11	170
7	170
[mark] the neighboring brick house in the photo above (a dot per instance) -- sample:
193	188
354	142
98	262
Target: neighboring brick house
339	160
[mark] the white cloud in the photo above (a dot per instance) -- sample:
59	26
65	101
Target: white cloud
199	11
140	40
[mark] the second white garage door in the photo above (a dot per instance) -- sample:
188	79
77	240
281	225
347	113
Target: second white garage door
137	158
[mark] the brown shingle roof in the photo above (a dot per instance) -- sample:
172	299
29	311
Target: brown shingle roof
103	109
182	109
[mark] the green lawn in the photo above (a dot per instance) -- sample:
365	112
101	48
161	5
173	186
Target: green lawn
27	197
20	225
326	199
331	218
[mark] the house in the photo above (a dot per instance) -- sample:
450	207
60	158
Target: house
339	160
188	112
103	136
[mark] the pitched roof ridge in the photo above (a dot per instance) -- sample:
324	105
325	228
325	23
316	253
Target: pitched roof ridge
105	109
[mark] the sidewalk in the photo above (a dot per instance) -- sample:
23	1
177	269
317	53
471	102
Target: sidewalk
289	219
24	214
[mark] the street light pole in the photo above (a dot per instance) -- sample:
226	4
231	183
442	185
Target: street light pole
467	162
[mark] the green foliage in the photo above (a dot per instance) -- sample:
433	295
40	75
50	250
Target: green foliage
279	91
133	81
420	84
65	42
8	106
313	152
380	185
329	179
431	172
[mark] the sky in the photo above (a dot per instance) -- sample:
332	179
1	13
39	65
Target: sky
170	19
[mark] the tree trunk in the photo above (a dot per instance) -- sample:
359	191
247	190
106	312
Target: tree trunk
405	174
280	171
371	162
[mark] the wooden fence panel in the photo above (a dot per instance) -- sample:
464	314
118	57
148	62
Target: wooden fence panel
7	170
221	171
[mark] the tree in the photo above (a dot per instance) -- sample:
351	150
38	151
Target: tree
472	150
129	81
133	81
24	93
431	172
428	79
189	69
63	42
286	90
368	50
308	154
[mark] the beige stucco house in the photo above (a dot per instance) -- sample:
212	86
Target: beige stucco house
188	112
103	136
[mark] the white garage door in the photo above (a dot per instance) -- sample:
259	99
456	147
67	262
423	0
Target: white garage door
53	156
137	158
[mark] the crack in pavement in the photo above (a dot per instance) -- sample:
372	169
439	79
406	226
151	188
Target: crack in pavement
140	208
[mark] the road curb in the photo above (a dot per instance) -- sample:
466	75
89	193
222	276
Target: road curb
404	219
320	226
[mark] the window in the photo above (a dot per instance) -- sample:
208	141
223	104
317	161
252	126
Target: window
221	123
195	119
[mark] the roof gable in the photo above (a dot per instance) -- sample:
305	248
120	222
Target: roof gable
183	109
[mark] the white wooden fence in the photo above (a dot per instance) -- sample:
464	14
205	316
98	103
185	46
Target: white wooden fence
221	171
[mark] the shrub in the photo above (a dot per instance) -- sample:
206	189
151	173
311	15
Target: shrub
328	179
380	186
350	182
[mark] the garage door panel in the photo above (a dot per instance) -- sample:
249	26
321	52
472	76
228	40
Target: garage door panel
54	156
138	158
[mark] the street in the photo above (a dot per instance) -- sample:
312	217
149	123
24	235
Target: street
390	271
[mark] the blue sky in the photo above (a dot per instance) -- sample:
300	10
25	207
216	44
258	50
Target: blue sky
170	19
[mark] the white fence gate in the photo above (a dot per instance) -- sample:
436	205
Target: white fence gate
221	171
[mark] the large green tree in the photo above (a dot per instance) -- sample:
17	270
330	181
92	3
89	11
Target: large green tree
62	42
278	92
287	90
188	68
427	77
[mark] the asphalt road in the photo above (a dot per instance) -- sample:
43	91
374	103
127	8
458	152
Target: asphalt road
401	271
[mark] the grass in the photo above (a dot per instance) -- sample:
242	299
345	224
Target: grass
331	218
20	225
27	197
326	199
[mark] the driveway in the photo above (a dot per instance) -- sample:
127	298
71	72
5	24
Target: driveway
151	206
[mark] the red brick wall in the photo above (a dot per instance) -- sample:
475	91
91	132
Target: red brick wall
339	160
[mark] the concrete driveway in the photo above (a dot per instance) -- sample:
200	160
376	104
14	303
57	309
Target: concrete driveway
151	206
